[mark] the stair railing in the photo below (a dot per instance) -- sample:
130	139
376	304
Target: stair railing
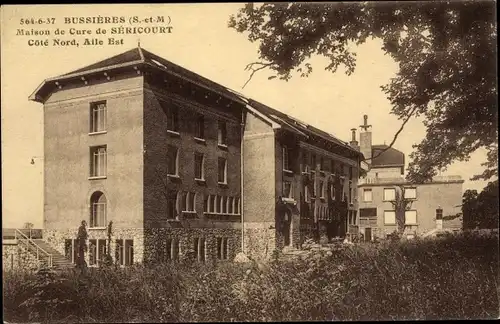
27	240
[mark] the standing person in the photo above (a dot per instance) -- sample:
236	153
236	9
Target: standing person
82	244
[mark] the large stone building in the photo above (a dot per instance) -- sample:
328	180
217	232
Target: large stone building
179	163
435	205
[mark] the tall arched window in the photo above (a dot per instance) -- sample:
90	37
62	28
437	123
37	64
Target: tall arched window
98	209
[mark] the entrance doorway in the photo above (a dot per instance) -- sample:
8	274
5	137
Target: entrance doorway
368	234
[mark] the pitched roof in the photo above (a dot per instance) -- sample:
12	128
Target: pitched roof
295	125
139	55
126	57
390	157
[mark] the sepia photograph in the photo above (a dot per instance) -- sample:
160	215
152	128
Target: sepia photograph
250	162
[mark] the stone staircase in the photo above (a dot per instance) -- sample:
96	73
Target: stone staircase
59	261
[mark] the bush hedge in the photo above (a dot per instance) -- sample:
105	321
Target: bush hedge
454	277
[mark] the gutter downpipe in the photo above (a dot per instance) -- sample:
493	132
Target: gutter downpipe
242	203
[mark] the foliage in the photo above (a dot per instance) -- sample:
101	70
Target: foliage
445	51
452	277
401	205
481	210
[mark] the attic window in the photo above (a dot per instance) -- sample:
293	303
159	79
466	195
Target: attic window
158	63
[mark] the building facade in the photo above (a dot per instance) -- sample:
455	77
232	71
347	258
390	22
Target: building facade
162	163
433	205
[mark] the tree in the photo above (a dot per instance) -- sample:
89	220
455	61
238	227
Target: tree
446	51
481	210
401	205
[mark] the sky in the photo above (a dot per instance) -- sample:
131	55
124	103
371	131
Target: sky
201	42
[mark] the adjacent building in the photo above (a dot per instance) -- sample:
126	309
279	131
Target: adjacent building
162	164
435	205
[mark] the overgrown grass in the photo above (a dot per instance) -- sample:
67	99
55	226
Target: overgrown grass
449	278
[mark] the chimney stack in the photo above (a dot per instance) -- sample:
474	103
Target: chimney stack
365	139
353	141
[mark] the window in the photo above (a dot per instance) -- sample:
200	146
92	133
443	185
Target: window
97	251
164	251
222	176
171	251
305	162
343	195
129	252
199	248
411	193
98	117
439	213
351	194
171	205
188	202
200	127
350	173
286	161
367	212
222	134
367	195
313	162
222	248
410	217
332	166
389	217
238	205
322	189
307	195
98	209
98	157
213	204
287	189
172	119
332	191
174	251
224	204
206	201
199	173
321	164
389	194
218	207
230	205
172	161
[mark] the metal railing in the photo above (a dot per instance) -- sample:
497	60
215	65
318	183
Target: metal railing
21	237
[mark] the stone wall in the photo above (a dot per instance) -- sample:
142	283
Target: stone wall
260	242
16	257
156	241
57	240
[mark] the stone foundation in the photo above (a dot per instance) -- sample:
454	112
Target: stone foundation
57	238
16	257
155	242
260	241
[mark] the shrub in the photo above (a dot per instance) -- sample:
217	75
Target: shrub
447	278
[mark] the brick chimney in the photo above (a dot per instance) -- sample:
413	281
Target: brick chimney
365	139
353	143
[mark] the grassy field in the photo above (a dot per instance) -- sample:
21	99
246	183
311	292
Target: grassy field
449	278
